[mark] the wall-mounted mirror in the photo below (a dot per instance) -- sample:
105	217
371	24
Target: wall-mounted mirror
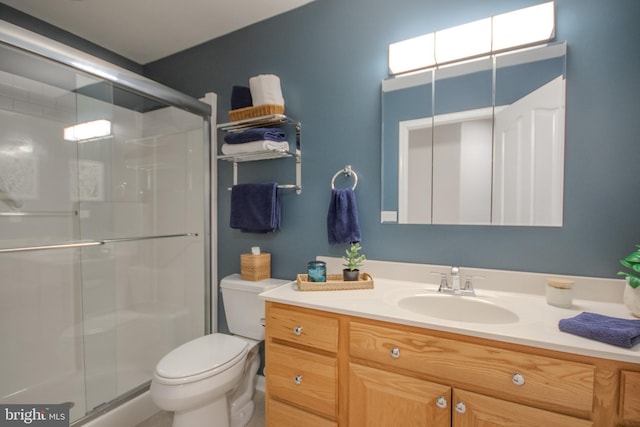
479	142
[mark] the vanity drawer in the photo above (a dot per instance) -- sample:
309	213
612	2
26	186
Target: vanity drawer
303	378
472	409
630	395
302	327
282	415
547	382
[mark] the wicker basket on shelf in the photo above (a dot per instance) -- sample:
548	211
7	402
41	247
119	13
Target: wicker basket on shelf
335	283
256	111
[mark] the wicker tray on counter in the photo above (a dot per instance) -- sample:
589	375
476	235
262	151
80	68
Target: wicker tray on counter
335	283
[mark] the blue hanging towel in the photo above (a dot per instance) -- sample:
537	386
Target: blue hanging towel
611	330
255	208
342	218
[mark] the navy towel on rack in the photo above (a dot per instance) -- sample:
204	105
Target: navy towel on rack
256	134
255	208
611	330
342	218
241	97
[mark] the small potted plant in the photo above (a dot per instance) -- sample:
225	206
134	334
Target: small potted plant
353	260
631	297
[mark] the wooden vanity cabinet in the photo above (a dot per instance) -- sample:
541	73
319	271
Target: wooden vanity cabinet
544	382
301	367
630	396
360	372
474	410
381	398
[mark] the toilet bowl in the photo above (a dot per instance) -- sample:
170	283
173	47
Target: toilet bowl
210	381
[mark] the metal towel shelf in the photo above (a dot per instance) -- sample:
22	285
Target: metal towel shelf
271	120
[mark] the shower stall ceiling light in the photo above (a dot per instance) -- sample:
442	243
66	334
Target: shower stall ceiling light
88	131
522	27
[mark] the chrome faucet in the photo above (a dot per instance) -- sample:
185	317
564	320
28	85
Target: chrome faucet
455	278
455	288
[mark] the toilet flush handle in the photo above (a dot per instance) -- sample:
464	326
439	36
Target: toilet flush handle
263	322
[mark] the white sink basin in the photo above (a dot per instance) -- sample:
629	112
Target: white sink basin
457	308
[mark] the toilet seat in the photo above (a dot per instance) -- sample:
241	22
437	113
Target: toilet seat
200	358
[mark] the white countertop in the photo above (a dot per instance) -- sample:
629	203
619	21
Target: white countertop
537	324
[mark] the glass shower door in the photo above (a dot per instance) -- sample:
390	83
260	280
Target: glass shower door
101	236
42	359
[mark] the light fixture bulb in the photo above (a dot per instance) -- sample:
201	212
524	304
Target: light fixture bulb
88	130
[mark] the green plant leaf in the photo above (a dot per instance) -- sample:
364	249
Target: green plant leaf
632	279
634	257
634	282
626	263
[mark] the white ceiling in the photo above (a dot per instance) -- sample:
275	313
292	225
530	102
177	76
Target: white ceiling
146	30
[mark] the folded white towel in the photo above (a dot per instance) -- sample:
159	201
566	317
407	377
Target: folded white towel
254	146
265	89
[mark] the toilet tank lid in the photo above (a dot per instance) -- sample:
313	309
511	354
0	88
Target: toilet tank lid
234	281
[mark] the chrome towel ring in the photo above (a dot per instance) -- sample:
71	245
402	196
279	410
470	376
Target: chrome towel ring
348	172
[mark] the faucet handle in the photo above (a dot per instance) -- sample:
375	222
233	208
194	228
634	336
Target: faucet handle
468	282
443	280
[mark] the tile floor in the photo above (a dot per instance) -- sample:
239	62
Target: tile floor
164	419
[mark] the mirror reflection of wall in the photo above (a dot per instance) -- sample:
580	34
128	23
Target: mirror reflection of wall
492	151
528	162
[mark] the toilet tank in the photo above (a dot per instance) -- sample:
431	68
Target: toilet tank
244	309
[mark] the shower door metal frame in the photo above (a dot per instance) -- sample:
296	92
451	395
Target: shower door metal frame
18	37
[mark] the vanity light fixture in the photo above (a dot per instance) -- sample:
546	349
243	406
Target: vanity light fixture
498	33
523	27
463	41
412	54
83	132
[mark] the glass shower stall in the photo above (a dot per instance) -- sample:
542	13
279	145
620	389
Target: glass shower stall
104	225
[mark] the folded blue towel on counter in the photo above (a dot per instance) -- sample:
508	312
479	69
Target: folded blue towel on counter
611	330
255	208
342	219
241	97
256	134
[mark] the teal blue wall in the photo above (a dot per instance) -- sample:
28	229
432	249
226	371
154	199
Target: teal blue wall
331	56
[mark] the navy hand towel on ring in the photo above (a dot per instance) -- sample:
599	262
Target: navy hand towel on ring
342	218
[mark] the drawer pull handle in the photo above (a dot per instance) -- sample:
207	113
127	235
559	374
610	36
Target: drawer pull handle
517	379
461	408
395	352
297	379
441	402
297	330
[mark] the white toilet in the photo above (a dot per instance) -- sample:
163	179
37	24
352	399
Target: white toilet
210	381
